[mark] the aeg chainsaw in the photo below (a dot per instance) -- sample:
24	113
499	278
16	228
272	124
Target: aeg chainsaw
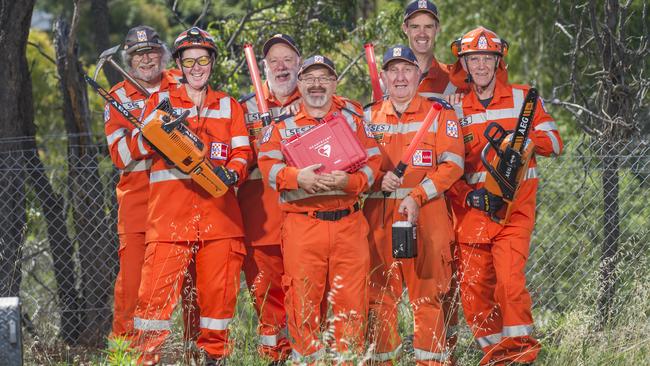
169	136
513	152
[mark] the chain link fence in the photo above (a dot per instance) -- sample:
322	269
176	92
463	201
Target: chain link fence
59	245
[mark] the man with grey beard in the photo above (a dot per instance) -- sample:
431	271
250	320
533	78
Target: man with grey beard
259	203
145	57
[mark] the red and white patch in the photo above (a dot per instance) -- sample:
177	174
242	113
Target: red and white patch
452	129
219	151
422	158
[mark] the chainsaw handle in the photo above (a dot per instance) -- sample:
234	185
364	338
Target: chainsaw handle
169	125
495	134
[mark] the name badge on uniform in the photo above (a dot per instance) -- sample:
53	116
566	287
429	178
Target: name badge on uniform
423	158
219	151
136	104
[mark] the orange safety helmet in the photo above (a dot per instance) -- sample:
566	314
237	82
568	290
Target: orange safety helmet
194	37
479	40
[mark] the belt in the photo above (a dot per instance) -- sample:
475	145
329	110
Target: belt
333	215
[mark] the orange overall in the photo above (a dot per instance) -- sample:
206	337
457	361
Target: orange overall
437	83
262	220
436	164
132	193
493	257
184	220
324	241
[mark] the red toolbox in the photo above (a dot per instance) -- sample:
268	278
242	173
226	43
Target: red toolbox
331	143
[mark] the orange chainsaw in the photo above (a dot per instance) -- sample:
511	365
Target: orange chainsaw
169	136
510	164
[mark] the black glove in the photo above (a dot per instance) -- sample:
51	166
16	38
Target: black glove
227	176
483	200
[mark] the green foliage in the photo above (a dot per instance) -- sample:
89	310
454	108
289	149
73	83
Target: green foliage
120	353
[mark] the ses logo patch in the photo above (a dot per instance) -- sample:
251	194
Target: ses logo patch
422	158
219	151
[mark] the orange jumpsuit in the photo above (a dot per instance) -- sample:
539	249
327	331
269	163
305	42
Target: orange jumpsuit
496	303
132	193
436	164
262	221
317	251
184	220
438	83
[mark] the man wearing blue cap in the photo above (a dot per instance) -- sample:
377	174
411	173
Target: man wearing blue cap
421	26
419	198
324	234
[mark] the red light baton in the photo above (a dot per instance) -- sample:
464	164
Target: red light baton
263	108
372	70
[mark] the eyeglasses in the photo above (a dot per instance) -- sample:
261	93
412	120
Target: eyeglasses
149	53
324	80
202	61
484	59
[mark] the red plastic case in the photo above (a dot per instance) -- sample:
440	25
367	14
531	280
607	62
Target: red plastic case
331	143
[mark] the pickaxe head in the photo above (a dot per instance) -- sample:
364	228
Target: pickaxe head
104	57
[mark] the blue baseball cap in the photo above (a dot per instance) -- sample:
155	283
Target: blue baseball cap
421	5
318	60
399	52
279	38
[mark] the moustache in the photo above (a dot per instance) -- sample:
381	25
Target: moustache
316	90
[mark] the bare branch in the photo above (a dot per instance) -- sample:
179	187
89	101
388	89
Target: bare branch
247	17
204	11
350	65
41	51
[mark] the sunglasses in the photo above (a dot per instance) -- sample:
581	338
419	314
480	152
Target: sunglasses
202	61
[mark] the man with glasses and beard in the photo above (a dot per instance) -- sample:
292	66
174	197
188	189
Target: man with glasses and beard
263	218
145	57
324	235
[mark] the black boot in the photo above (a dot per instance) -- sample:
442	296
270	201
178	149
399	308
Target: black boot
215	361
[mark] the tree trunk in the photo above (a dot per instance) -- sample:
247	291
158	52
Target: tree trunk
15	18
610	180
101	22
96	240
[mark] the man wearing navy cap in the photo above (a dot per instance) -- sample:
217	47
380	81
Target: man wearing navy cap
421	26
418	197
324	235
259	203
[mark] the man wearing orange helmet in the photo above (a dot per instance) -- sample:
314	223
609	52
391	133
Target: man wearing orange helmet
145	56
184	220
493	257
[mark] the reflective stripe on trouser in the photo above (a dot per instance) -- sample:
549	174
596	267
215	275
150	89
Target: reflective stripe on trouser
263	270
127	283
501	326
318	253
218	264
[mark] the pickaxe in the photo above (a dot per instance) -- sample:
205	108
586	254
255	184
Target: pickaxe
107	56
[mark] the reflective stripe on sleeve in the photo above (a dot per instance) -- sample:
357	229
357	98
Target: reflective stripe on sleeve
165	175
368	172
453	158
241	160
214	324
554	142
367	115
273	154
151	324
473	178
373	151
273	174
116	135
546	126
123	151
141	147
239	141
138	166
429	188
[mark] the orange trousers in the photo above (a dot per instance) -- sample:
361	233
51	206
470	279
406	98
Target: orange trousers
317	254
127	283
386	287
496	303
263	270
450	304
218	265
